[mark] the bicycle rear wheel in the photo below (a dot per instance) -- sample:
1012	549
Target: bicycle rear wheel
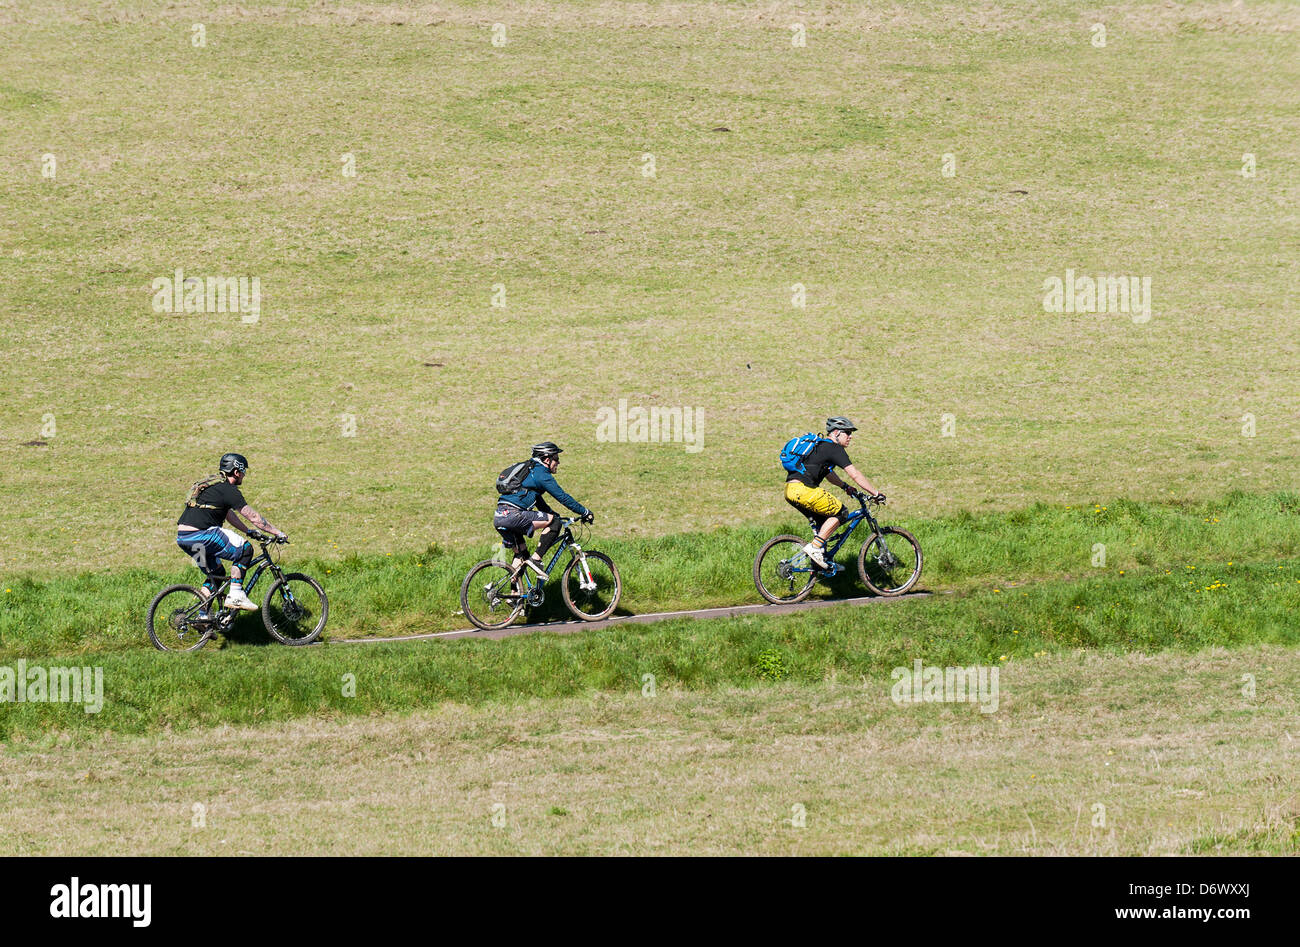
295	610
889	563
783	573
591	597
174	621
488	598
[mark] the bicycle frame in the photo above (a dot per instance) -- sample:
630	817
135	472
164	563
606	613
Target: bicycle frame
566	542
262	561
845	529
840	537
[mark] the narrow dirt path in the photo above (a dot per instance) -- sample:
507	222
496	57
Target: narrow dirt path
569	627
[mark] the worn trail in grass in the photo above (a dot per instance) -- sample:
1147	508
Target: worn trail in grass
1186	611
389	595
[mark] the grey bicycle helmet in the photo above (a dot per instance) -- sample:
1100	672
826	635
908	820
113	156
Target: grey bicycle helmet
840	424
231	462
546	449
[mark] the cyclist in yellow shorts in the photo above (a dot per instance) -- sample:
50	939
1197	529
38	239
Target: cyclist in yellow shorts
804	492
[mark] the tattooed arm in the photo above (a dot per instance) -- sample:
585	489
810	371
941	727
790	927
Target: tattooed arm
253	518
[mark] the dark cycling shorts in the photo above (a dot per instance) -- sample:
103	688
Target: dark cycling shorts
514	524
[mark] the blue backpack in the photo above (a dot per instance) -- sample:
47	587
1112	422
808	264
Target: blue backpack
796	449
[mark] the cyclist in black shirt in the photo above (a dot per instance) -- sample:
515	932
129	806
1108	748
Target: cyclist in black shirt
201	536
804	492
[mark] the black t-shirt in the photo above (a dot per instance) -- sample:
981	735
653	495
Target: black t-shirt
224	496
818	463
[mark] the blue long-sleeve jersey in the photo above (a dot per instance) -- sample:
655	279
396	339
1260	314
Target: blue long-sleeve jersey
531	493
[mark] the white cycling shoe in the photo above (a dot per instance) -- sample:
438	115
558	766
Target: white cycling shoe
236	598
814	553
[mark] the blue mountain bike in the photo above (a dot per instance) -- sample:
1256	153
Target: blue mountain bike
889	562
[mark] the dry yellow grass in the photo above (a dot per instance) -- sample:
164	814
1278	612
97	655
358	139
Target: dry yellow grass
616	14
1178	758
521	166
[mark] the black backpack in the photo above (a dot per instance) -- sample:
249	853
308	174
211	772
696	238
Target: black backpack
512	478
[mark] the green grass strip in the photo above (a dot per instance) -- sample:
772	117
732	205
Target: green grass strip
393	595
1183	610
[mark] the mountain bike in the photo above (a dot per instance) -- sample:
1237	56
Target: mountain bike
493	594
889	562
294	612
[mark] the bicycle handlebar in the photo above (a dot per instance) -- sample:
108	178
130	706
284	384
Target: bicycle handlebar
266	539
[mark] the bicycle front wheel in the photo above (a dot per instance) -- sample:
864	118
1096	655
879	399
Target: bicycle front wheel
783	572
889	563
591	586
488	598
295	610
175	622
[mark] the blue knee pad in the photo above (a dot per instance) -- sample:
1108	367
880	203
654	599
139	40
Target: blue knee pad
245	557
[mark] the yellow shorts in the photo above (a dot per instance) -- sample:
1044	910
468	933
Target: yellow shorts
812	500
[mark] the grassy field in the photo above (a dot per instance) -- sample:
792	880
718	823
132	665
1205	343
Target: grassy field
1088	754
521	165
672	206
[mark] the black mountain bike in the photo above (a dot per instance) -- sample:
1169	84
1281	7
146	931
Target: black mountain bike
889	562
492	595
294	612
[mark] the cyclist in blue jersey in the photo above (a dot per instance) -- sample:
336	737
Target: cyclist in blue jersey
524	511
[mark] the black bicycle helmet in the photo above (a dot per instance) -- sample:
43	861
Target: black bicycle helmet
546	449
232	462
840	424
